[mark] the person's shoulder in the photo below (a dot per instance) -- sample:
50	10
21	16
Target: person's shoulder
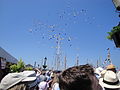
42	83
56	84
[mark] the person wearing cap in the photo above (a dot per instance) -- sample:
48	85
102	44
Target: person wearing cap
111	67
110	81
25	80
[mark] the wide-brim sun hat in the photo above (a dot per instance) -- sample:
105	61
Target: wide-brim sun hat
29	76
110	80
118	74
103	73
12	79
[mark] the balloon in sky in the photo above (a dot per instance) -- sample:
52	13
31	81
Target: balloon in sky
68	16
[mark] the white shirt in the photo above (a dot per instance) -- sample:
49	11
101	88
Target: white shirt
55	86
43	85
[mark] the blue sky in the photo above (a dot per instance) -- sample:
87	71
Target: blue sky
28	30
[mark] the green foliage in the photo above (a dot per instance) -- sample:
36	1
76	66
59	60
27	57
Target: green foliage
13	68
19	67
113	31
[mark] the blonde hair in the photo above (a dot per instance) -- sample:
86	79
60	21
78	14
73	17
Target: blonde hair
55	79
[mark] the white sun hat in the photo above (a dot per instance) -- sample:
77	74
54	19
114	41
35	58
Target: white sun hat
118	74
12	79
29	76
110	80
103	73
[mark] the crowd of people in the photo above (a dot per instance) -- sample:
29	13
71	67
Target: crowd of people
82	77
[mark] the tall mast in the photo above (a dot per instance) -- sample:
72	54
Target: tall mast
77	61
58	53
35	64
97	63
65	62
108	56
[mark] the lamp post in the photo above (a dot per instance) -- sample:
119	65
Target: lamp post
44	65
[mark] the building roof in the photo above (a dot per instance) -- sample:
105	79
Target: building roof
7	56
29	65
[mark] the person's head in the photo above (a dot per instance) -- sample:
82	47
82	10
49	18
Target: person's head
110	81
43	72
111	67
24	81
78	78
55	79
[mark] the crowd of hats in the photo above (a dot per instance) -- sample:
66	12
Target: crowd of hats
109	77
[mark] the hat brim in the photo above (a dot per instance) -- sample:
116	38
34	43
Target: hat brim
108	86
29	79
29	76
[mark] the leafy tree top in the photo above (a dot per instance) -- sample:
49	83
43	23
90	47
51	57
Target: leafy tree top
113	31
18	67
21	64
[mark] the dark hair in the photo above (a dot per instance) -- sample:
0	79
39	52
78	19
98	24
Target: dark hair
113	69
78	78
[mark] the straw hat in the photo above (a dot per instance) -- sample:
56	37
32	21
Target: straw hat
110	66
110	80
